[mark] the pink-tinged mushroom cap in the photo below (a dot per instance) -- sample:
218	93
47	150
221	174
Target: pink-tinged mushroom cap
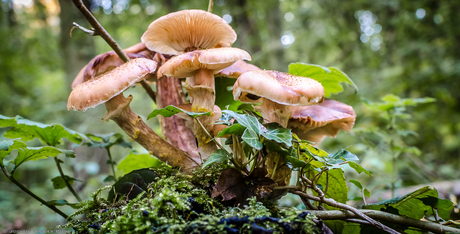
238	68
188	30
107	61
97	91
279	87
313	123
186	65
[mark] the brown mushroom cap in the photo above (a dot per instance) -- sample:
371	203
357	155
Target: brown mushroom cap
315	122
188	30
185	65
279	87
236	69
107	61
97	91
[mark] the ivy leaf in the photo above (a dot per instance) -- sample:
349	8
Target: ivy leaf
218	156
275	132
235	129
63	202
58	182
329	77
416	204
26	154
253	128
136	161
341	156
28	130
172	110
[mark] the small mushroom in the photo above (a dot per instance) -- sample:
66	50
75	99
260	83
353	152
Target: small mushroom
314	123
278	92
188	30
107	61
238	68
108	89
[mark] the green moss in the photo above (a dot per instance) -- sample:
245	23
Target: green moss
177	203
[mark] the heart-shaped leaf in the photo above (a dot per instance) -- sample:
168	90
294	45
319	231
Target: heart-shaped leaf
218	156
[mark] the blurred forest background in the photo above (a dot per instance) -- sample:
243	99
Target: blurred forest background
406	48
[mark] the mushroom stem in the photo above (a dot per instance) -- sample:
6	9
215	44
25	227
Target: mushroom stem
170	92
202	95
119	111
274	112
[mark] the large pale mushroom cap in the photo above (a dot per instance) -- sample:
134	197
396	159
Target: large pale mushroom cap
313	123
236	69
107	61
97	91
279	87
188	30
185	65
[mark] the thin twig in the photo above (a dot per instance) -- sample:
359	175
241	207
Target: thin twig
384	216
211	3
111	163
26	190
66	182
85	30
112	43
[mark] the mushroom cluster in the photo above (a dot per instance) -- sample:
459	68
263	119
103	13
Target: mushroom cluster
195	45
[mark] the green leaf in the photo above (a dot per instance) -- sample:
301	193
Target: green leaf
330	78
136	161
58	182
172	110
253	128
275	132
336	184
63	202
218	156
106	140
367	193
224	95
109	179
7	146
416	204
294	162
357	183
235	129
358	168
28	130
26	154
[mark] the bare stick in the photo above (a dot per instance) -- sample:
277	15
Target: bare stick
112	43
384	216
66	182
85	30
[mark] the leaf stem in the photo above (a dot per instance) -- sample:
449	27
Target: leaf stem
111	163
67	184
98	29
26	190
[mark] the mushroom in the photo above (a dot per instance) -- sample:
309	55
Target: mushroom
278	92
107	61
188	30
236	69
108	89
314	123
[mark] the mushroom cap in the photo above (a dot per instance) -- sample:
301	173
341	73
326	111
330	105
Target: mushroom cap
97	91
279	87
107	61
216	59
186	30
315	122
236	69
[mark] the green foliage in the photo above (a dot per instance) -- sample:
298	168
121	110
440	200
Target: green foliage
58	182
330	78
136	161
106	140
172	110
217	157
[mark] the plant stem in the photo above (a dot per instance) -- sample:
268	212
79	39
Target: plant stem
211	3
212	138
111	163
58	164
99	30
23	188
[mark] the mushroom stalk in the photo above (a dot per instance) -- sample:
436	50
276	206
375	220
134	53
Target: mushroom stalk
170	92
119	111
274	112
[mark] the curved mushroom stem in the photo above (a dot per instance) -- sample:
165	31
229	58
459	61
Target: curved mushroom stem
119	111
274	112
169	92
201	89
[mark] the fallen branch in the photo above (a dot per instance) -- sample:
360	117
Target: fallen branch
384	216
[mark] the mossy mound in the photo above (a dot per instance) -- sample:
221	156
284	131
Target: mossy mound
177	203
